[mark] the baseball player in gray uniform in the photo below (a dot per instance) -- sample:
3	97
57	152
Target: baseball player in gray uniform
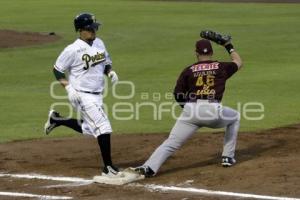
86	61
199	90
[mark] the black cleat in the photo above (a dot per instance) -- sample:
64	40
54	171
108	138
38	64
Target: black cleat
227	161
144	170
50	123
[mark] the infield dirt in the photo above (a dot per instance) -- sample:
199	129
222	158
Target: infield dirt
12	38
268	164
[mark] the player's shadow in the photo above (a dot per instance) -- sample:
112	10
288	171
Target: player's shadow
242	155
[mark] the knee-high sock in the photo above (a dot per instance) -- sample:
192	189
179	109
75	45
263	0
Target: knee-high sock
105	148
71	123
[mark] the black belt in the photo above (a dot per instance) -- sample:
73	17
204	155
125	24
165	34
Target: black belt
96	93
207	100
212	101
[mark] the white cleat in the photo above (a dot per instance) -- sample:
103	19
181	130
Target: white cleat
118	178
112	172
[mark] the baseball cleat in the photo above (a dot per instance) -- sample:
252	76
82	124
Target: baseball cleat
227	161
111	176
144	170
50	123
112	172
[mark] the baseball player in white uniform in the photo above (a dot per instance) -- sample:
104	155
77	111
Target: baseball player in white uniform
86	62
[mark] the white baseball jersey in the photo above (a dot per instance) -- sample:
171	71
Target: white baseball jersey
85	64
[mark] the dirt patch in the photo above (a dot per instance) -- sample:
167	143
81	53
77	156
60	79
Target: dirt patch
268	164
11	38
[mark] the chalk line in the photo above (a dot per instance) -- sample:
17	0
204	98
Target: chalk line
44	197
154	187
44	177
150	187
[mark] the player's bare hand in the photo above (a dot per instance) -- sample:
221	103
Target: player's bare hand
72	93
113	76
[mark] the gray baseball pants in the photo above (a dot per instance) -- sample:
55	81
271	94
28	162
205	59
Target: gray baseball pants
193	117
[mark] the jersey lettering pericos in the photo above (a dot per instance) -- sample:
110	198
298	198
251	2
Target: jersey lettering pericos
84	64
204	80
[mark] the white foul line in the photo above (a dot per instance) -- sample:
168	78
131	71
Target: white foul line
44	197
77	184
150	187
44	177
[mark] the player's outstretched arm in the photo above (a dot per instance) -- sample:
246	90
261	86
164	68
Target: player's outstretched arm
224	40
235	57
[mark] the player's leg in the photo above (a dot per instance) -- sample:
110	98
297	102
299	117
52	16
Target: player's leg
180	133
96	123
230	119
55	119
105	149
231	132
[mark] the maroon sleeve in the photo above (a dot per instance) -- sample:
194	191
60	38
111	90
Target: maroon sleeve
180	89
230	68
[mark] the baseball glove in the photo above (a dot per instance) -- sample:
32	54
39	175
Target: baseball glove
215	37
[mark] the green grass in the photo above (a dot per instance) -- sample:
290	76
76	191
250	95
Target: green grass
150	43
